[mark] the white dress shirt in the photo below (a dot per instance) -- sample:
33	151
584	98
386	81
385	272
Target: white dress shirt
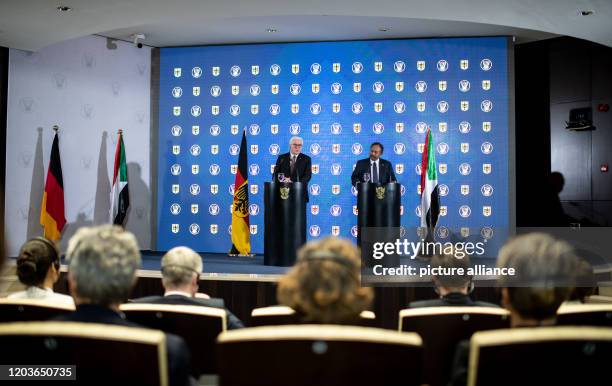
374	164
46	294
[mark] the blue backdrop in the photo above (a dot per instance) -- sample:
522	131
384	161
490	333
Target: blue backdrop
340	97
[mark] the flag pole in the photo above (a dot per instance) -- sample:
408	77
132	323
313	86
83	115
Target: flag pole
56	128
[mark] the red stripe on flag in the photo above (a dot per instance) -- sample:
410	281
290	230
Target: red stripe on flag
117	158
55	201
239	180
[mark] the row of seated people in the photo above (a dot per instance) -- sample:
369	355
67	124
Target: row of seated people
323	287
38	268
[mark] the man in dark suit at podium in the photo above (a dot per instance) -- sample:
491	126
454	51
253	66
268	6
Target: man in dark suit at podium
295	166
380	171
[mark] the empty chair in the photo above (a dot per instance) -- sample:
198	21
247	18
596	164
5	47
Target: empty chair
199	326
27	310
441	328
307	355
541	356
585	315
102	354
280	315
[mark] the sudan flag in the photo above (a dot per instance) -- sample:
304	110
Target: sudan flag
52	212
120	196
241	240
430	200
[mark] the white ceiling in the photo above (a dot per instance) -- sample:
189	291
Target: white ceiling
33	24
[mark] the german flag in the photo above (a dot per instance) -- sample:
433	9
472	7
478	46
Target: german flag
52	212
241	241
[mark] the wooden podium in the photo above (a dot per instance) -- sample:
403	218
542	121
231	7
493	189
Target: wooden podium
284	222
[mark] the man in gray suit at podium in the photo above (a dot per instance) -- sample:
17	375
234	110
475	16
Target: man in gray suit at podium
373	169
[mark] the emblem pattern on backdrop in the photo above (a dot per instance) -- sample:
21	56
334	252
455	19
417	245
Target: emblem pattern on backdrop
339	97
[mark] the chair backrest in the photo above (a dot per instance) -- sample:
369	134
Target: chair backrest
585	315
441	328
318	354
541	356
27	310
102	353
598	299
199	326
283	315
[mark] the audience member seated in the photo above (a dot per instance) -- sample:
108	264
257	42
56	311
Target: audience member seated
324	285
38	268
453	290
103	264
544	279
586	284
181	268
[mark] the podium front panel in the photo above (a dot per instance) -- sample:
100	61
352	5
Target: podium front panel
378	206
284	222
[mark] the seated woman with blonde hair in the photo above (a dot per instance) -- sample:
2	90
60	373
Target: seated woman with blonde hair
324	285
38	267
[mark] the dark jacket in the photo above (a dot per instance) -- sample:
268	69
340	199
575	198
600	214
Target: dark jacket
179	362
452	299
302	171
232	321
385	171
461	360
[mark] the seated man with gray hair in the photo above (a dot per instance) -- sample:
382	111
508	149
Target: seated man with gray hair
103	264
181	268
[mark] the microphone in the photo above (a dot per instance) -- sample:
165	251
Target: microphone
297	172
275	173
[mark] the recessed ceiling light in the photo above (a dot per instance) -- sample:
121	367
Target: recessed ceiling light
585	12
383	29
271	30
64	8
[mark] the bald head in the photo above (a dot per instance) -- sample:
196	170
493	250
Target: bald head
181	268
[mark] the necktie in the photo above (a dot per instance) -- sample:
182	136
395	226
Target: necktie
374	173
292	164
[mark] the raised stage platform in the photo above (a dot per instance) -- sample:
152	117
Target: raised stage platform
220	266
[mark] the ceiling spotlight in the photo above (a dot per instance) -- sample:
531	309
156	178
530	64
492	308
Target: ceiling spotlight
383	29
585	13
271	30
64	8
